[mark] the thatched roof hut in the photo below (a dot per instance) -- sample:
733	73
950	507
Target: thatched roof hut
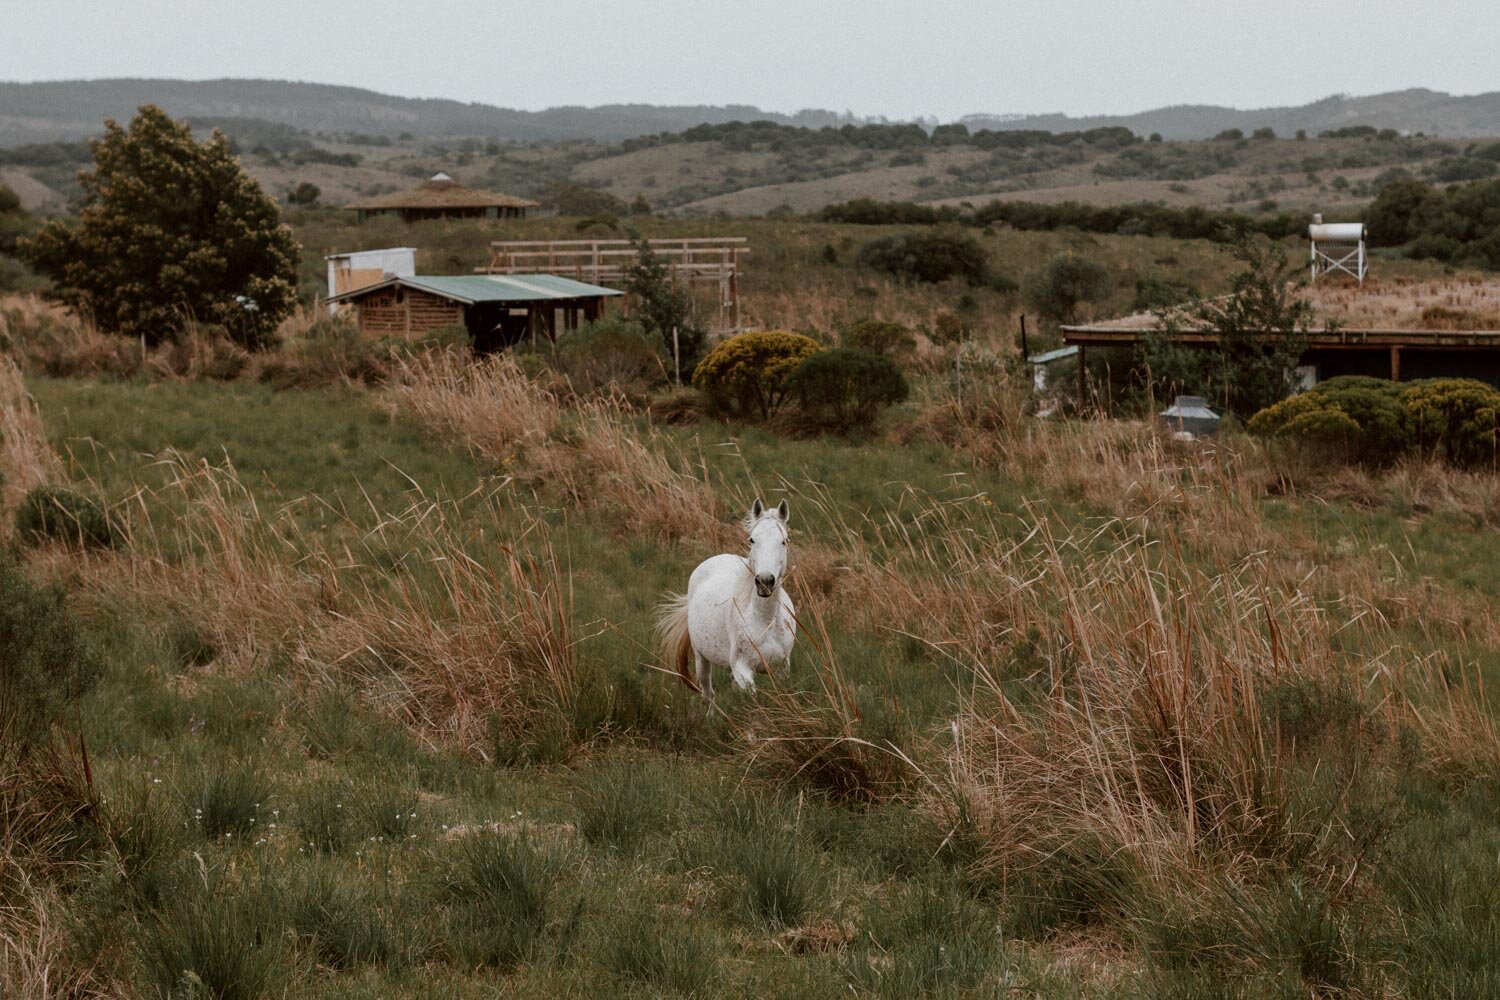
442	197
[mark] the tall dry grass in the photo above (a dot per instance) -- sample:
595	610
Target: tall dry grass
36	954
439	628
26	458
593	455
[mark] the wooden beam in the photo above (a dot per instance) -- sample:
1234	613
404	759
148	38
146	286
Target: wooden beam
1395	363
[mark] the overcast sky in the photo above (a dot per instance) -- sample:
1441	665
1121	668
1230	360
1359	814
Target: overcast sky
891	57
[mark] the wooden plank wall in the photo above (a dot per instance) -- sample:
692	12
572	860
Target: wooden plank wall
416	314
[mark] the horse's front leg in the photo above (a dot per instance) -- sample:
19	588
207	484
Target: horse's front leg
742	665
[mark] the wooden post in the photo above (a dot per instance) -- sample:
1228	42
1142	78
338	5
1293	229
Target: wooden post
677	355
1083	357
1025	351
1395	363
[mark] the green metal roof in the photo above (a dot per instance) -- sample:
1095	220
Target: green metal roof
471	288
1057	355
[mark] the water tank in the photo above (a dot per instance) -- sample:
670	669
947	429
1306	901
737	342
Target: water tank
1336	232
1190	414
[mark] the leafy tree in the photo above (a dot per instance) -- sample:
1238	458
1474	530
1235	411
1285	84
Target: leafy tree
1393	217
305	193
1064	283
930	257
1260	330
662	305
847	387
640	206
577	200
747	374
9	200
171	230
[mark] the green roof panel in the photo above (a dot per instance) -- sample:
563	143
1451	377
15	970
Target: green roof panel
471	288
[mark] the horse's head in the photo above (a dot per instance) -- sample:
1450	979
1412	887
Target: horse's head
768	548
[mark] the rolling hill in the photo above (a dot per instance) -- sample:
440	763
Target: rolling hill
73	109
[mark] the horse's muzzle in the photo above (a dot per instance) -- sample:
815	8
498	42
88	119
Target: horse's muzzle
765	585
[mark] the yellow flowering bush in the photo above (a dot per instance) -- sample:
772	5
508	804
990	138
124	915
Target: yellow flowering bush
1457	418
1376	421
747	374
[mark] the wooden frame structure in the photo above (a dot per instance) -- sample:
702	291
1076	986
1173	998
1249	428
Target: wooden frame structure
690	260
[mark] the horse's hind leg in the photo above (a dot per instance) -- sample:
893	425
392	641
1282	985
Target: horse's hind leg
704	671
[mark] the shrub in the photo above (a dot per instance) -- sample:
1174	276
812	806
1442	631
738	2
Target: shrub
56	513
662	303
746	375
1355	418
880	336
44	661
1455	418
613	354
847	387
206	242
1064	283
930	257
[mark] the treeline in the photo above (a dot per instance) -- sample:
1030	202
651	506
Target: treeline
1458	224
1137	219
739	135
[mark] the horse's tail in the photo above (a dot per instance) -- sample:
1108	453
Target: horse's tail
672	633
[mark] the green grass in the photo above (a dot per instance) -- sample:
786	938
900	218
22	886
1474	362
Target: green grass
647	860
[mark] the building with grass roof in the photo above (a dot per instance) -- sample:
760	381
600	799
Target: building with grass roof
442	197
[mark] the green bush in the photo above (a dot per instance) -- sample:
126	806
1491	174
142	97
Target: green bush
613	354
1064	283
847	388
1354	418
1374	421
931	257
56	513
746	375
45	662
1457	419
880	336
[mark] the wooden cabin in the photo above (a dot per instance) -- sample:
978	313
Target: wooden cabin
498	310
442	197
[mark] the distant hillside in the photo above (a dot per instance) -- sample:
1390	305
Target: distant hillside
1416	110
73	109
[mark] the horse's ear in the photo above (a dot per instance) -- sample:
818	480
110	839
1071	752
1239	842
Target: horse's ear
781	511
757	509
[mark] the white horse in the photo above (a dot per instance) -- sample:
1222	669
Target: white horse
735	613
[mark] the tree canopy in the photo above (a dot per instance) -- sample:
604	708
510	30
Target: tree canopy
171	231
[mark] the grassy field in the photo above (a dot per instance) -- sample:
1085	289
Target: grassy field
1075	711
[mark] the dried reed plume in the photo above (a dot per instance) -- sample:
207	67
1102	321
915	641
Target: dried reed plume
26	458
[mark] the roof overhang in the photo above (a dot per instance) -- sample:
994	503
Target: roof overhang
465	289
1337	339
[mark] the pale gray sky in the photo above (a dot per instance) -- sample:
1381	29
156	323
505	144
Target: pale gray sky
894	57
